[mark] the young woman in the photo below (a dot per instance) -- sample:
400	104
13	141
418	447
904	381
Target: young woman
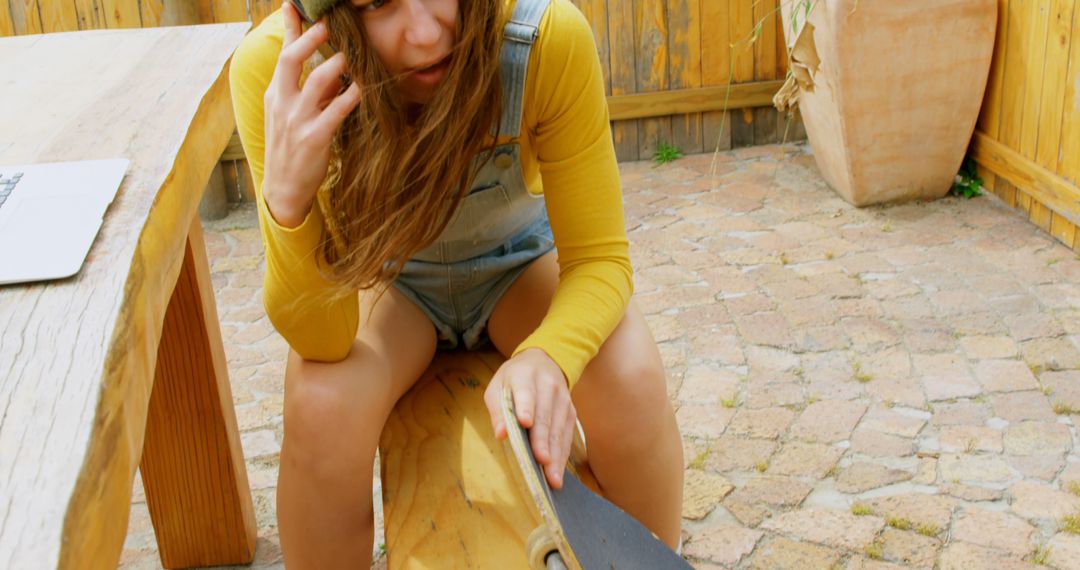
419	205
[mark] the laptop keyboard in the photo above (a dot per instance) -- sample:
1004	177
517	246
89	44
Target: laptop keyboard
7	185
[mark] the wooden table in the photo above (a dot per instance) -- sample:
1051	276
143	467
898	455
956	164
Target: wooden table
122	364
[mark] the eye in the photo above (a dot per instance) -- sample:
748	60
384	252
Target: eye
373	5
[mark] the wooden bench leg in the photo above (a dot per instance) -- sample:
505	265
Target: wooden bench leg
192	465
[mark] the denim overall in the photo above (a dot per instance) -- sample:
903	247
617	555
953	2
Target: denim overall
498	229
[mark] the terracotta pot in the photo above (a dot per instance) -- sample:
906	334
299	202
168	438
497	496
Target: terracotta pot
894	101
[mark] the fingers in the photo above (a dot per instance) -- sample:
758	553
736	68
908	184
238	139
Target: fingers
324	83
339	108
295	51
493	400
564	422
540	432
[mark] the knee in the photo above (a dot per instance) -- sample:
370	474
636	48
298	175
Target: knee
629	407
327	416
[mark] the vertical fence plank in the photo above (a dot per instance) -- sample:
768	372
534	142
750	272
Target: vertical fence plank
1063	230
595	11
7	28
229	11
90	14
765	118
1034	64
990	114
151	12
260	9
741	14
25	17
650	25
121	13
623	74
1012	101
684	47
1068	161
715	69
58	16
1054	75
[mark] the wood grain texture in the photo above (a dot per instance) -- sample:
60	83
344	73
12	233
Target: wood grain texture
78	355
1015	74
25	17
623	73
990	113
741	25
595	11
449	497
716	60
121	14
59	16
90	14
260	9
684	54
1055	77
1035	64
650	31
192	465
7	27
672	102
1063	230
1068	161
1036	182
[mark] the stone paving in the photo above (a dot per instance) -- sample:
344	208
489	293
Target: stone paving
868	389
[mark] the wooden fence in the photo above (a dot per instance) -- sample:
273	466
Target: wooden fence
1028	138
666	62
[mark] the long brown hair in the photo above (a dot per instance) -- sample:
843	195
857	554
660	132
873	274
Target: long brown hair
399	172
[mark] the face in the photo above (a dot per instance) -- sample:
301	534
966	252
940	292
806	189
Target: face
413	38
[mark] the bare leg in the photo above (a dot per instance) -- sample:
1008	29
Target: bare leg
635	449
334	413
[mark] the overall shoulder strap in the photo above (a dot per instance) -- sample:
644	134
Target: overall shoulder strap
518	37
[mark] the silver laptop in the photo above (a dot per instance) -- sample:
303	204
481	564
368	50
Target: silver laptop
50	214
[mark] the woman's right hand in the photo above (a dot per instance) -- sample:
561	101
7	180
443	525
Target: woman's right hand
301	122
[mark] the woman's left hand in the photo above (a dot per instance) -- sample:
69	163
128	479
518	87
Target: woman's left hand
542	404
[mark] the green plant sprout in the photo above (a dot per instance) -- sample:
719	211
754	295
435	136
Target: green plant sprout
666	153
967	183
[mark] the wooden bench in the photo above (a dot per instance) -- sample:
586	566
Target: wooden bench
450	498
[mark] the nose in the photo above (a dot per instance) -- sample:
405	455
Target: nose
422	28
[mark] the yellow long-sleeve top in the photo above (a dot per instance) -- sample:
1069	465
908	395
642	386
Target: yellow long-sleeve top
567	155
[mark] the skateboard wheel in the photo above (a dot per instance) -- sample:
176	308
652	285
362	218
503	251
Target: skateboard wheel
538	546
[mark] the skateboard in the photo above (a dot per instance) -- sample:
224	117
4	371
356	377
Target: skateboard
580	529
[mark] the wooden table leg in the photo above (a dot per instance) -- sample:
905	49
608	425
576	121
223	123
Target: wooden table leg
192	465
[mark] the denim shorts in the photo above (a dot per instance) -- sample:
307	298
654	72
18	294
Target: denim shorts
460	297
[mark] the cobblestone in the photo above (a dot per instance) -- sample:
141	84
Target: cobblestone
764	291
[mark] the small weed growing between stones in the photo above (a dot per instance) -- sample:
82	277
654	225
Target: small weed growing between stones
829	255
1051	262
812	399
861	509
886	227
1063	409
833	471
889	404
875	551
698	462
1073	487
784	259
666	153
1041	555
927	529
730	402
970	445
761	466
860	376
899	523
1047	390
1070	523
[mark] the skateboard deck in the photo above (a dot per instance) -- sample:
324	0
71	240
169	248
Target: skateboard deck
587	531
449	497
